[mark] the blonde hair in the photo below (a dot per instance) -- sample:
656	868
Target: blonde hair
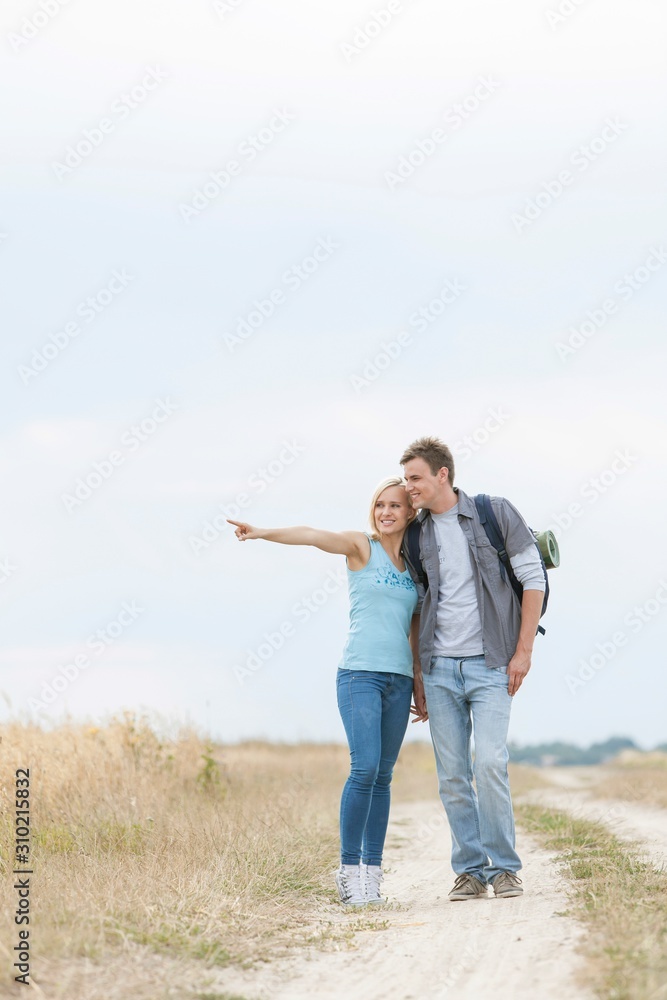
380	488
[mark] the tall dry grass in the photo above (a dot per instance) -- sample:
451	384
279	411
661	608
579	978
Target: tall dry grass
215	854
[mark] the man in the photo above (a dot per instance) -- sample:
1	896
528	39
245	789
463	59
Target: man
472	646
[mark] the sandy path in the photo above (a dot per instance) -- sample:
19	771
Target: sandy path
487	949
630	821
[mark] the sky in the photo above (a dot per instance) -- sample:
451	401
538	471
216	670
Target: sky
249	252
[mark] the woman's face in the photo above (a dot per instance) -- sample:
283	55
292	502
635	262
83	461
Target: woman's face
393	511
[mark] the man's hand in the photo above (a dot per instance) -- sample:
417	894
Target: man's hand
518	667
418	708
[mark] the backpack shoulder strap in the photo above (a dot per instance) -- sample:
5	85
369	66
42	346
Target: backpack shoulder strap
490	523
495	536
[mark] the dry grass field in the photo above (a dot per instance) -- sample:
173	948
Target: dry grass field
167	850
203	852
635	778
215	855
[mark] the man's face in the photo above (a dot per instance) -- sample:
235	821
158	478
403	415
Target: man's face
424	488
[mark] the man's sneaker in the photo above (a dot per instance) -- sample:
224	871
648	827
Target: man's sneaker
506	884
349	885
372	875
467	887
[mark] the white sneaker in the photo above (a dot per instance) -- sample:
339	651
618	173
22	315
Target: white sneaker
350	886
372	875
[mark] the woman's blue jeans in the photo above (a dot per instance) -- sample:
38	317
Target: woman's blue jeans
375	708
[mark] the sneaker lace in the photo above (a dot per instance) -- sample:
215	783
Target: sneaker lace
507	877
373	878
351	884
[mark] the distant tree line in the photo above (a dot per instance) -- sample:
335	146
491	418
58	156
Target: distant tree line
564	754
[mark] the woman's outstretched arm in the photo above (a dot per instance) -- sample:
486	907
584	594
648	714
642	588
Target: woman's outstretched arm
353	544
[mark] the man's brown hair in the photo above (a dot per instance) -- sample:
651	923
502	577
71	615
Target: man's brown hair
435	453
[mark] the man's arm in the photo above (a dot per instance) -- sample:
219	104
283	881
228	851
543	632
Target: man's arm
525	561
519	665
419	707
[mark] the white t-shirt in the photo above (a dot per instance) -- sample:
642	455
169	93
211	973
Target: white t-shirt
458	627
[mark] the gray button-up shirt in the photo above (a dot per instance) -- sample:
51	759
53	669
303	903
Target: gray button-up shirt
499	609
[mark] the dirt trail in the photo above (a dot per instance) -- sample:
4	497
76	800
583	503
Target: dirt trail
574	792
511	949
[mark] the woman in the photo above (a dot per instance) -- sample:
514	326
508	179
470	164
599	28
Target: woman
374	680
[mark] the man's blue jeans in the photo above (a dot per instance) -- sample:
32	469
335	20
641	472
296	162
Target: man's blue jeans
375	708
464	695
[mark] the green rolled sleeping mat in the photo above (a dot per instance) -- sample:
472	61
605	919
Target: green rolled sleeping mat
548	546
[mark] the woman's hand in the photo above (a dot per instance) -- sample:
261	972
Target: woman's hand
418	708
419	711
245	531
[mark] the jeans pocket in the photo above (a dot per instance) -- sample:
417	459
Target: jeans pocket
499	676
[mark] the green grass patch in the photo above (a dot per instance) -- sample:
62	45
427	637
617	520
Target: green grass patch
172	938
105	837
621	897
218	996
55	839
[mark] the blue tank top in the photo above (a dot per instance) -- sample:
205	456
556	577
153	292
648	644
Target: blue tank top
382	602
